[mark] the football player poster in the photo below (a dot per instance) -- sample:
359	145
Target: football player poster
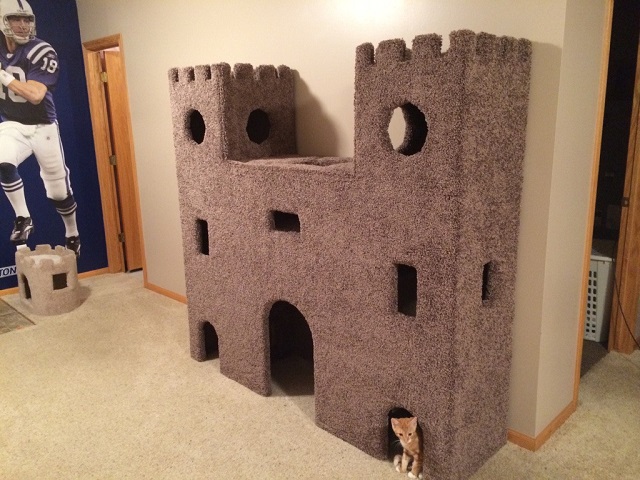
47	162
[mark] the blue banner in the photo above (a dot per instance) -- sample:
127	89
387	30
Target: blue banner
57	24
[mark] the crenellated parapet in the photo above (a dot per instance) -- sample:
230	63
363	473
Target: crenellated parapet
480	47
46	259
223	71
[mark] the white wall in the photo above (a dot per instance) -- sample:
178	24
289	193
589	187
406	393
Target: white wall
570	189
318	40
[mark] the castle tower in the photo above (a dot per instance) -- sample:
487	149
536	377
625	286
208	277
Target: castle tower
233	114
459	174
221	115
402	262
48	279
241	114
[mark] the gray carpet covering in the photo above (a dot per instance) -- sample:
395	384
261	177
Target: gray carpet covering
109	391
400	261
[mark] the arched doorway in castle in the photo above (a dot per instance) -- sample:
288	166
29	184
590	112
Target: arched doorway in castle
210	341
291	355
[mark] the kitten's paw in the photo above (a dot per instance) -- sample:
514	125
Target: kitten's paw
396	461
411	475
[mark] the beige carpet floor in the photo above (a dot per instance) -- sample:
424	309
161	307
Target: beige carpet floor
109	391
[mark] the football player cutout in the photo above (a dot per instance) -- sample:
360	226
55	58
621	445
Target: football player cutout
28	74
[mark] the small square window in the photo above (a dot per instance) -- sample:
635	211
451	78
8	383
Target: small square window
285	222
202	228
487	282
59	281
407	289
27	289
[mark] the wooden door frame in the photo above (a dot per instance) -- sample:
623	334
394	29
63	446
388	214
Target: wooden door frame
627	285
122	147
586	262
103	150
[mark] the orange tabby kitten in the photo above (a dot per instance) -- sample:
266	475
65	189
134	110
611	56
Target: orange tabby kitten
410	435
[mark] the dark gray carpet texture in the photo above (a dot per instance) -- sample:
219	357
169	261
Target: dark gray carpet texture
392	271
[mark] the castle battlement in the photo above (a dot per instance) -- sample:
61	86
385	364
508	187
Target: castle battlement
46	259
223	71
246	71
482	47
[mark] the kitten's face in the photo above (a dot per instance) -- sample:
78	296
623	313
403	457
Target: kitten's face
405	430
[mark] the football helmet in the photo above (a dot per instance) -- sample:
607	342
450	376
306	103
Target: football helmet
17	8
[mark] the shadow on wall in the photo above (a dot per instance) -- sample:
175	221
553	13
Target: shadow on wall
316	134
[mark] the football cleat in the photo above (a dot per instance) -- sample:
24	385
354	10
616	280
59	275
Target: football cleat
73	243
23	226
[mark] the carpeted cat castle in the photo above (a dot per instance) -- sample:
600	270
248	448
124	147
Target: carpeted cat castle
400	262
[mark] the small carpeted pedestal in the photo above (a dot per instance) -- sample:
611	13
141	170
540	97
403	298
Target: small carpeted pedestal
48	279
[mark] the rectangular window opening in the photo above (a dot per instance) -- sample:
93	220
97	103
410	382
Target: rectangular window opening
407	289
486	281
27	289
285	222
203	236
59	281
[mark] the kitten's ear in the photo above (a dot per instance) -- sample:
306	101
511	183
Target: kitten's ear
394	422
413	423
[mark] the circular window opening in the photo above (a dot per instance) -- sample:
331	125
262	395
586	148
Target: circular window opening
197	126
408	129
258	126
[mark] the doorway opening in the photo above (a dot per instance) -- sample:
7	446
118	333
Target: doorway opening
291	353
210	341
394	448
611	295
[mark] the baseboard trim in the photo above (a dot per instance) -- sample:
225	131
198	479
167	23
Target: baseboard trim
93	273
165	292
103	271
534	444
9	291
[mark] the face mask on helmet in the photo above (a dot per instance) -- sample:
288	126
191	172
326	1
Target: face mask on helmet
17	8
